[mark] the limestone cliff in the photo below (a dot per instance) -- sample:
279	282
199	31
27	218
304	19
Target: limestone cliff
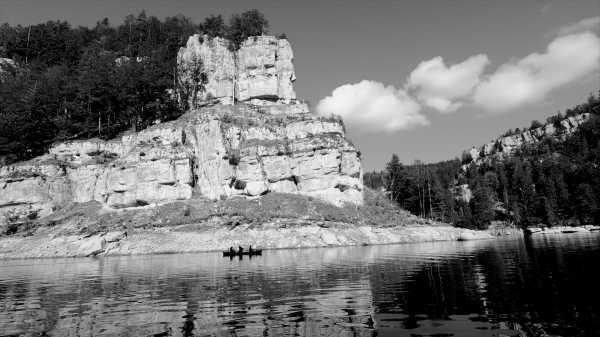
209	71
215	151
507	145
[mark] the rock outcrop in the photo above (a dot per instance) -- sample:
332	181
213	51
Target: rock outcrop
216	151
210	71
7	66
506	146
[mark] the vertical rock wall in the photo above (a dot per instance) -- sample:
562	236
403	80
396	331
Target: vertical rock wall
210	72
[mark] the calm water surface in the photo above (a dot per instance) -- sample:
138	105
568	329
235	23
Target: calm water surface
516	287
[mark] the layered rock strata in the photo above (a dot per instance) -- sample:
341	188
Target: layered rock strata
266	142
215	152
210	71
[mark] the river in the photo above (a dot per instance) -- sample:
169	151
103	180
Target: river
507	287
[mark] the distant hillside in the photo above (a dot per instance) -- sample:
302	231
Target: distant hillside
558	127
546	174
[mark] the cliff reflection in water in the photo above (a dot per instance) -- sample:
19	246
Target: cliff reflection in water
463	288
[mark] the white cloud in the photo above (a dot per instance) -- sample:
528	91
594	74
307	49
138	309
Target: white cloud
546	7
441	87
567	58
372	106
588	24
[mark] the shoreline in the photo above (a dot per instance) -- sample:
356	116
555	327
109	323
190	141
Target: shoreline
199	238
268	236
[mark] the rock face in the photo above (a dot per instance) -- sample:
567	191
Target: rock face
216	151
462	193
209	71
7	66
505	146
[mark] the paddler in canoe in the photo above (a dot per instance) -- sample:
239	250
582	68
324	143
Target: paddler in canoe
241	251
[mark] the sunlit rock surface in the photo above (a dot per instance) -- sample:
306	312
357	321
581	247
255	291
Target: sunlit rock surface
244	135
214	152
7	66
210	71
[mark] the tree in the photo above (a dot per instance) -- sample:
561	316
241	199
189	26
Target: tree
246	24
395	181
587	204
535	124
214	26
482	206
466	158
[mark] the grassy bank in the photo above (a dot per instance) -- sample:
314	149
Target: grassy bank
273	221
195	214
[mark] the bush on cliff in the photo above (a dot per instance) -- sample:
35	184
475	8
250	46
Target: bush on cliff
242	26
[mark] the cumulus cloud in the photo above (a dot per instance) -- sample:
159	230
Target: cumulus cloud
441	87
567	58
588	24
372	106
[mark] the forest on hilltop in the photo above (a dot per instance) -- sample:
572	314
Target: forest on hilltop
80	82
552	182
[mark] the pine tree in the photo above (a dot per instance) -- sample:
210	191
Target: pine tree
482	205
395	174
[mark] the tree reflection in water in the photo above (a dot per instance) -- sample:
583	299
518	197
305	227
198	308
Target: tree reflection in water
517	287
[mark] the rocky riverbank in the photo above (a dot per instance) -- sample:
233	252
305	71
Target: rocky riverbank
271	222
537	231
191	238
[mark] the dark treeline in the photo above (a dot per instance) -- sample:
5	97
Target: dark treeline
553	182
96	82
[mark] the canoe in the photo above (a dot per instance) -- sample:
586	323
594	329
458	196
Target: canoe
246	253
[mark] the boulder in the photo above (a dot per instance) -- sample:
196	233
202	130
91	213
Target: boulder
114	236
91	246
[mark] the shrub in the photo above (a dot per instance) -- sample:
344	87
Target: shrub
214	26
249	23
234	157
535	124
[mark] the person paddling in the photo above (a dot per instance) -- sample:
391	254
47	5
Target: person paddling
250	249
231	250
241	250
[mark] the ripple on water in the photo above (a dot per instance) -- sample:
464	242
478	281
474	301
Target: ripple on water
483	288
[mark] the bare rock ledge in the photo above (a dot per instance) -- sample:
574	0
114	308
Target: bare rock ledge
268	236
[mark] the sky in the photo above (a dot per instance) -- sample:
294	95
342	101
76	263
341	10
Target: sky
423	79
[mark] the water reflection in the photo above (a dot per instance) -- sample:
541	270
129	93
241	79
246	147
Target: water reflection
481	288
